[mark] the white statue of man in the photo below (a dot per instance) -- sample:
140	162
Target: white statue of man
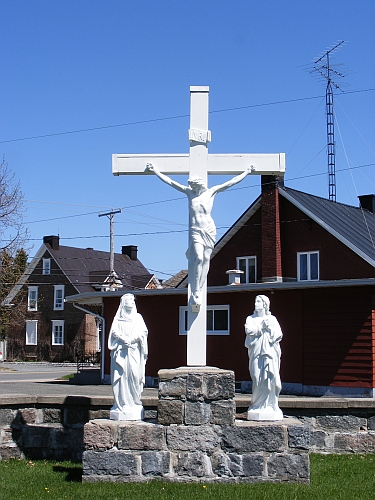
202	230
263	335
127	343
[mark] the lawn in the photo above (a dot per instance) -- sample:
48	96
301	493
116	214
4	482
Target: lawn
332	477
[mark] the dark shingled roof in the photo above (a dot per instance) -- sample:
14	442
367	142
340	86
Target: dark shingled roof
353	226
176	280
87	267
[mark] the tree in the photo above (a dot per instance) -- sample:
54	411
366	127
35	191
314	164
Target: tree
13	233
13	236
11	270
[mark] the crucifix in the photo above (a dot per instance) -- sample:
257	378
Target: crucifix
202	232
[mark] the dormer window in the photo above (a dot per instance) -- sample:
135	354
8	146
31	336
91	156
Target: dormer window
46	266
308	266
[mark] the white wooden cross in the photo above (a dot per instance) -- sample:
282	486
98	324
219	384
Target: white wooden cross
198	163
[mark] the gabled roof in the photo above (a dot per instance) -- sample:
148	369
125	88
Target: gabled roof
176	280
85	267
241	221
353	226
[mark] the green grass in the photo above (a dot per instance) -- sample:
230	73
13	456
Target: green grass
333	477
66	377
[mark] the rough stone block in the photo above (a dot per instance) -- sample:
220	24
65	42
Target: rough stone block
366	442
151	414
318	439
252	465
74	415
341	423
191	438
247	439
223	412
197	413
141	436
220	386
195	387
355	443
109	463
194	464
8	452
96	414
52	416
36	436
370	423
7	416
170	411
299	436
155	463
220	464
30	416
172	388
287	466
99	435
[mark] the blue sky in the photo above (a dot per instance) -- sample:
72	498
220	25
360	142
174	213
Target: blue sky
78	65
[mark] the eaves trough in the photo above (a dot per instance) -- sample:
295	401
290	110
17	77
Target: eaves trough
94	298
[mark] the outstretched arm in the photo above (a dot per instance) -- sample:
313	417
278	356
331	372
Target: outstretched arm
166	179
233	181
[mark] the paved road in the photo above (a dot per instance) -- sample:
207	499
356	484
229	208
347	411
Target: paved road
41	379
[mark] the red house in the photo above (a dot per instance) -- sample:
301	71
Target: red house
315	259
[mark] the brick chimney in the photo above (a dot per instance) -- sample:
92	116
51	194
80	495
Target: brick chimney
271	240
131	251
367	201
52	241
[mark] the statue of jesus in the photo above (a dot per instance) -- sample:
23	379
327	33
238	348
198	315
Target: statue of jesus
202	230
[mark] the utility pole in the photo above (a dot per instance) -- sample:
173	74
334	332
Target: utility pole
322	65
112	279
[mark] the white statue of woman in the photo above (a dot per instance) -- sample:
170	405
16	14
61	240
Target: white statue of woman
263	335
202	230
127	343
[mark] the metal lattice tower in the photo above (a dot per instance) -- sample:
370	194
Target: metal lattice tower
322	65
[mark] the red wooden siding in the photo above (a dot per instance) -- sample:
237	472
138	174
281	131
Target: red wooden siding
301	234
337	337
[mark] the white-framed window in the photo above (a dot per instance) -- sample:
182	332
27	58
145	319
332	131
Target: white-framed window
249	267
31	332
217	320
46	266
58	297
308	266
32	298
58	332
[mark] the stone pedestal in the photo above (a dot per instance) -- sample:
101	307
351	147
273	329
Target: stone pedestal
196	439
269	415
131	413
196	396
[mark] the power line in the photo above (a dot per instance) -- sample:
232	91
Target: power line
152	120
182	198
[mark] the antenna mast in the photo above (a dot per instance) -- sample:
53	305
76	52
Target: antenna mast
322	65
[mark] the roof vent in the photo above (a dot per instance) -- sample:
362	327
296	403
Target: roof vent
52	241
131	251
367	201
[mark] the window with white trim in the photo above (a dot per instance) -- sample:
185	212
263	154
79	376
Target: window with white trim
31	332
58	332
32	298
46	266
249	267
308	266
58	297
217	320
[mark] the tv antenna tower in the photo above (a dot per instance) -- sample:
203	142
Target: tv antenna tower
322	65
